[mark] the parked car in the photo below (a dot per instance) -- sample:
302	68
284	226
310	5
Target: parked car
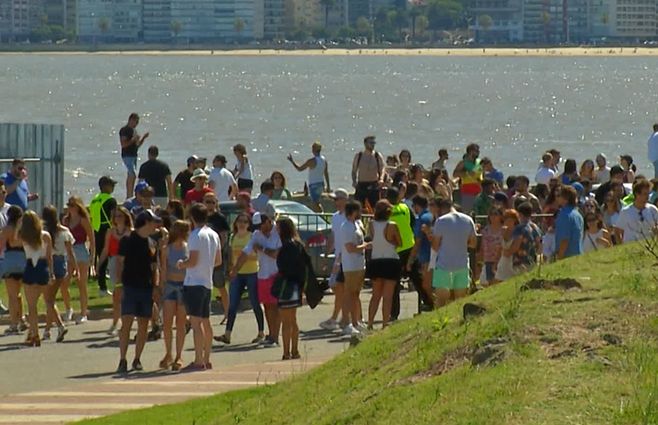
314	230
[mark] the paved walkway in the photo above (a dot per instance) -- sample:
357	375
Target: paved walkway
59	383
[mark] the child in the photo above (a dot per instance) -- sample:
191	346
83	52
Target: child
505	268
548	244
492	245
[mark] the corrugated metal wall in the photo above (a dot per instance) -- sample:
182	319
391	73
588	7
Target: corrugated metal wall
42	146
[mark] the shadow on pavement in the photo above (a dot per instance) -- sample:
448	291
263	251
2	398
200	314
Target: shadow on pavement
93	375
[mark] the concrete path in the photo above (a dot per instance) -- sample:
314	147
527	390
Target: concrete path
73	380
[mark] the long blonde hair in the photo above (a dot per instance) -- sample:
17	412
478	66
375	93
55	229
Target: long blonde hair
31	229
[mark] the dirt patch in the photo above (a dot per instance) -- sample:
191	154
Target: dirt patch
611	339
446	364
559	284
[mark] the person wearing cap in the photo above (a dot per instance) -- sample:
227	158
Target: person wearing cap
130	142
318	172
368	173
205	255
263	203
266	243
337	278
101	211
158	175
137	266
183	182
142	200
200	180
602	171
222	181
15	179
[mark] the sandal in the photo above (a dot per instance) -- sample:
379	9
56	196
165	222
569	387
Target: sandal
165	363
177	365
222	338
295	356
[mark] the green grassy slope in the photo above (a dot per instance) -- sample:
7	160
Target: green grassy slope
584	356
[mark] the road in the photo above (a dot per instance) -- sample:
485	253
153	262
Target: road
56	383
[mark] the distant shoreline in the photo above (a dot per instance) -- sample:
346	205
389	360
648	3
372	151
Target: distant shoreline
459	52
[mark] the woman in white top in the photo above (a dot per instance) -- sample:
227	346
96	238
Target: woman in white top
384	268
505	268
242	171
62	249
38	246
595	236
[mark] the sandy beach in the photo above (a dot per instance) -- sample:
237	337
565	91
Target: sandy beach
460	52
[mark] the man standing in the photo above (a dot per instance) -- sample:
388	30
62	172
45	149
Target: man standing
546	171
638	221
318	172
569	225
205	255
469	170
142	200
653	150
137	266
453	234
521	187
101	210
158	175
263	203
368	173
200	180
222	180
423	249
616	177
183	179
490	172
484	201
217	222
18	193
401	215
354	266
130	143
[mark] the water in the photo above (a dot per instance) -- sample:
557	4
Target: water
515	108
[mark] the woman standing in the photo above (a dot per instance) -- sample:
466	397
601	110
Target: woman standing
405	160
626	162
122	226
13	268
595	237
62	248
570	174
611	208
587	171
175	250
280	189
243	172
384	268
246	279
77	220
38	247
291	261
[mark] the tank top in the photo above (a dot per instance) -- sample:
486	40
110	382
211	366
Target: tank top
113	246
79	234
35	255
381	248
173	255
247	171
316	174
590	241
472	180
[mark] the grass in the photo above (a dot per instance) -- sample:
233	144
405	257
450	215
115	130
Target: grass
95	302
560	357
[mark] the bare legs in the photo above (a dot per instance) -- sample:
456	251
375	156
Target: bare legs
32	293
381	288
83	279
15	301
273	320
290	333
124	337
202	340
171	310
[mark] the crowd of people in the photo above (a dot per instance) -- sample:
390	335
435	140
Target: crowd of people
168	245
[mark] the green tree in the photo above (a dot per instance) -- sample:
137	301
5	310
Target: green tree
327	4
414	13
444	14
363	27
238	26
422	23
484	22
176	28
400	19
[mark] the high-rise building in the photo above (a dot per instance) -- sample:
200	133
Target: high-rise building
303	14
157	25
505	23
60	12
127	20
274	19
19	17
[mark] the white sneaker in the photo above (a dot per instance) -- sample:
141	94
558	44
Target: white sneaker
80	320
350	330
362	328
361	324
69	315
329	325
104	293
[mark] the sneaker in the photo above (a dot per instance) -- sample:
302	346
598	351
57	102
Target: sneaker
112	331
269	342
350	330
258	340
12	330
329	325
123	367
222	338
104	293
361	324
46	335
137	365
69	315
61	332
362	327
80	320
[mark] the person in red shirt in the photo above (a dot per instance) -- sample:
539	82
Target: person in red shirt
200	180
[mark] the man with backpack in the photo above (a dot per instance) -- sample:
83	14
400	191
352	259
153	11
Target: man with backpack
368	173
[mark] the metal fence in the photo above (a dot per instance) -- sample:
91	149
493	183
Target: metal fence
42	145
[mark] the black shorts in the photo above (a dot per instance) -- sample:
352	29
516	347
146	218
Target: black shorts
137	302
384	268
197	301
219	277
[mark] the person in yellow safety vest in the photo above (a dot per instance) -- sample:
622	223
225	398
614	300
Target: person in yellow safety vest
101	209
402	216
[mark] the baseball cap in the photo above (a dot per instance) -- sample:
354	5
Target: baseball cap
340	194
146	216
192	159
579	188
106	181
140	186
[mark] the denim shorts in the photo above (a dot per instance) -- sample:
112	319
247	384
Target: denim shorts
173	291
131	164
14	264
137	302
315	191
197	301
59	266
81	253
36	274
